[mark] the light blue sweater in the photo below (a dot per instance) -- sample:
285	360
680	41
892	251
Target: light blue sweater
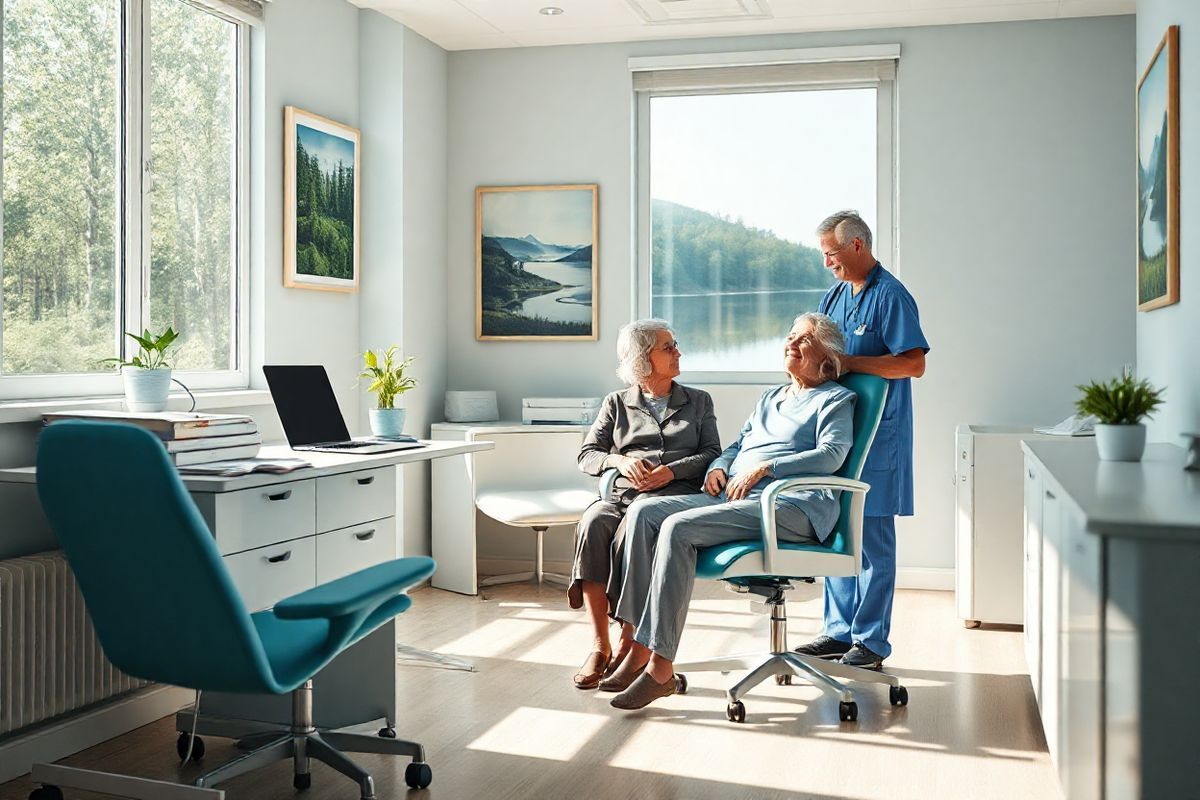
805	435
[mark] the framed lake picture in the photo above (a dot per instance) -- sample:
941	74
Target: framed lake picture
535	262
1158	177
321	208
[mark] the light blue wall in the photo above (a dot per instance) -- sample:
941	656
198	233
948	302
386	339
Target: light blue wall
1014	186
1167	338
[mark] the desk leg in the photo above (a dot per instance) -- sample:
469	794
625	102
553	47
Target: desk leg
453	520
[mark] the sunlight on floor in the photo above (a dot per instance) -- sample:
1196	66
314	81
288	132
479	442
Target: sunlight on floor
540	733
497	639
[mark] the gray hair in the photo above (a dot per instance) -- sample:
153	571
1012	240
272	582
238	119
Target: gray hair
846	226
634	343
829	337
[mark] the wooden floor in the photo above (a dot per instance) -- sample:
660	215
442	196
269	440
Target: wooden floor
517	728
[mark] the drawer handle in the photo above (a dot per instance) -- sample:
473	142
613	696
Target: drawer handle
280	496
1031	474
279	559
365	535
1050	494
365	481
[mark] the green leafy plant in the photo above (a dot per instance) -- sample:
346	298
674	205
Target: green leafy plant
1121	401
388	380
153	352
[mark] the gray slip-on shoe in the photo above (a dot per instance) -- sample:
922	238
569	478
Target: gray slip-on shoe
642	692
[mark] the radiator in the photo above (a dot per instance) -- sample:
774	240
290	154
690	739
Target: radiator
50	659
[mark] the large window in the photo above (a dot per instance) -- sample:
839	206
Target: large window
735	173
123	175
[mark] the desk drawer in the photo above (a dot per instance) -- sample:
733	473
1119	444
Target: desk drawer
257	517
354	497
340	553
268	574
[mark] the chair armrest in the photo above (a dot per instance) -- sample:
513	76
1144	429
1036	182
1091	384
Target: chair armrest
358	593
770	496
608	482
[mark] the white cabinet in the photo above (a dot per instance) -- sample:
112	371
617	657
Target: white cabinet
1080	686
1049	703
1033	578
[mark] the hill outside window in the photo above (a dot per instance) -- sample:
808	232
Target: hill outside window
739	157
124	189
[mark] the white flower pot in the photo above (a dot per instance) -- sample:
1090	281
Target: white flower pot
146	389
1121	442
387	422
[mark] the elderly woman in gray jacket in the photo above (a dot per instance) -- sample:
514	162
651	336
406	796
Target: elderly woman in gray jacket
660	436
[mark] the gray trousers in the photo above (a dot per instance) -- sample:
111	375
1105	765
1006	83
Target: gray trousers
662	535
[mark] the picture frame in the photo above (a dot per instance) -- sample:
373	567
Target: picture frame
1157	240
321	235
536	265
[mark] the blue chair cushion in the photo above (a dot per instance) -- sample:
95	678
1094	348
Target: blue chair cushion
711	562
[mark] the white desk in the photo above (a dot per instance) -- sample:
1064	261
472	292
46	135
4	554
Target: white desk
455	481
282	534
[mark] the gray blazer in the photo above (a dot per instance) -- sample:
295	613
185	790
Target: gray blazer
686	441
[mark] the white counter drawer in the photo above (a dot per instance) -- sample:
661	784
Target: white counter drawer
257	517
340	553
268	574
354	497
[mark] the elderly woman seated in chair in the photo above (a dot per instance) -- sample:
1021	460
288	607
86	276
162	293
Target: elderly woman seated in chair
803	427
660	436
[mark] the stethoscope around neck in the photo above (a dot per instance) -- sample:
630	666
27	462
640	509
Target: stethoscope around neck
858	301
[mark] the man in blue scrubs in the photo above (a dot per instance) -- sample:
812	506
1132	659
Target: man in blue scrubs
883	334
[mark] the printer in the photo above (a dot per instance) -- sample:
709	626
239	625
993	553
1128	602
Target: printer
559	410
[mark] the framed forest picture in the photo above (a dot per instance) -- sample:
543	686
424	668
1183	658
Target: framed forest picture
321	202
1158	177
535	262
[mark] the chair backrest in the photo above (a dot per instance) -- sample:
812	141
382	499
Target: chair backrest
868	411
530	460
162	602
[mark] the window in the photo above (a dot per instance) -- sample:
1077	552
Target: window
123	191
736	168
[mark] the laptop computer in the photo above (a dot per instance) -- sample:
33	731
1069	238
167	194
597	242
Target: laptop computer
311	417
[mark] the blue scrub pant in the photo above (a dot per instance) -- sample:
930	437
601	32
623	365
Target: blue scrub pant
860	609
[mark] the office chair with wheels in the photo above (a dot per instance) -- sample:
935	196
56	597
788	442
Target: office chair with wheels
767	566
166	610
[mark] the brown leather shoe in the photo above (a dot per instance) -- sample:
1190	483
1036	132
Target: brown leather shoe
642	692
618	681
592	671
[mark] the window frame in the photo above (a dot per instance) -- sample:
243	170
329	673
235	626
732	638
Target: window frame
885	167
133	234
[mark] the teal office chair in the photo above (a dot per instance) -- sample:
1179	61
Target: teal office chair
166	610
767	566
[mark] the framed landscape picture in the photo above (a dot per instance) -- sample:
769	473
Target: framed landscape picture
320	197
1158	177
535	262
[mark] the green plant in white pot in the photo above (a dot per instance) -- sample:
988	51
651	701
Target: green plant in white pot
388	382
1119	407
147	376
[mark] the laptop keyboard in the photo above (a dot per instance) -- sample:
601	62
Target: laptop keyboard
346	445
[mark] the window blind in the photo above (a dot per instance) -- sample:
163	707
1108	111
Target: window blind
248	11
762	76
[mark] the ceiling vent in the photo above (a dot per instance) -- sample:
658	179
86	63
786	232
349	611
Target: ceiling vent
670	12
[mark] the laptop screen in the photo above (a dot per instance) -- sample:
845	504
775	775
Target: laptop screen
306	404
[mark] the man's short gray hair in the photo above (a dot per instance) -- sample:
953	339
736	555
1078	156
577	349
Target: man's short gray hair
829	337
634	343
846	226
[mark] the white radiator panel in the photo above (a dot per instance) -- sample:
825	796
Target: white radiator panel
51	662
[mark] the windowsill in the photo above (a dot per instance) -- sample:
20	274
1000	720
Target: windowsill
32	410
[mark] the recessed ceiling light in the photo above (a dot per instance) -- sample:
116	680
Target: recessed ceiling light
550	11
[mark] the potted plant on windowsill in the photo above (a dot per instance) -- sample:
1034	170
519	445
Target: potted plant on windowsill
388	382
147	376
1119	407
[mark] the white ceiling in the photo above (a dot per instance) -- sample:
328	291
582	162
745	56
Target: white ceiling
485	24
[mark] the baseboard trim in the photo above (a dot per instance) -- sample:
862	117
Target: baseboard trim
940	579
68	736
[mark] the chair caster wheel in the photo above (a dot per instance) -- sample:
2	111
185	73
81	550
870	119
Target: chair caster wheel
387	733
181	746
46	792
848	712
783	680
680	684
735	711
302	782
418	776
898	695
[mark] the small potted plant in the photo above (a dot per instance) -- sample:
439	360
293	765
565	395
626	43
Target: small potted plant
147	376
388	382
1119	407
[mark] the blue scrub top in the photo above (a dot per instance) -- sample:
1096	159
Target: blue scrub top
883	320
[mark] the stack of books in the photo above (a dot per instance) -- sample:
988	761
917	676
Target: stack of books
189	438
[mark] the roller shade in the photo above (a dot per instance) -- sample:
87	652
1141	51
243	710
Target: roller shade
248	11
763	76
